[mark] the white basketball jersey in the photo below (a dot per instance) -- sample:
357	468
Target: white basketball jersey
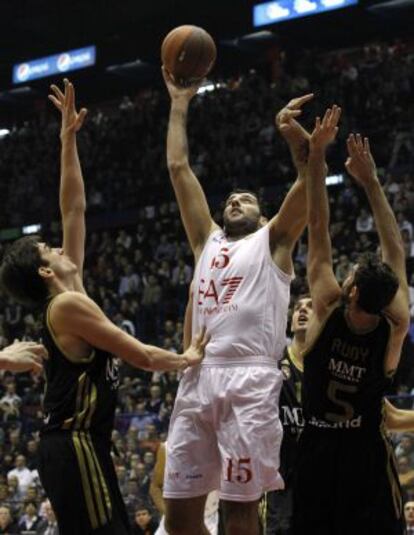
242	298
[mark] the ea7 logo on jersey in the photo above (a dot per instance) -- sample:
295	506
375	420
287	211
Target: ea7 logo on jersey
209	291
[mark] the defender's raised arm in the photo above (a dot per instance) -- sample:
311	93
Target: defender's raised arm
72	189
322	283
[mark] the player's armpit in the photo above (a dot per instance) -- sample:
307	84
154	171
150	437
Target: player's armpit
392	359
288	224
398	311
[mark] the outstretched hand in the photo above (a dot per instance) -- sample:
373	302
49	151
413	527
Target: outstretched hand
325	130
23	357
360	163
295	135
72	121
176	91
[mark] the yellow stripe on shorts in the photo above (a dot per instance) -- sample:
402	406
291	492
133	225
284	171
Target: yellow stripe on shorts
85	481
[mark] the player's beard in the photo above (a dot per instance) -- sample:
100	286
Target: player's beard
241	227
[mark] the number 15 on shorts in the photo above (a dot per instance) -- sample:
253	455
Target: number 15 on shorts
238	470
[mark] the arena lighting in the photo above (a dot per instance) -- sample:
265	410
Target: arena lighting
4	132
31	229
334	180
281	10
56	64
207	87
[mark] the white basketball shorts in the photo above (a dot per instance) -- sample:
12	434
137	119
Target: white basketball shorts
225	433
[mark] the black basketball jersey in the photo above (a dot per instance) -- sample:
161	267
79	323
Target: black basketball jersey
290	408
78	396
344	378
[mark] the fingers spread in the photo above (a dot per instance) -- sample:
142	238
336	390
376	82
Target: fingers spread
58	93
55	101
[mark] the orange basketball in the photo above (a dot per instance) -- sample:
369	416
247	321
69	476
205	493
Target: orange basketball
188	53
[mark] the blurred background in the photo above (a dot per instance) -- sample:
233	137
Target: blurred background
358	54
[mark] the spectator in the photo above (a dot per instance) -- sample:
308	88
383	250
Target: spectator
48	526
142	418
129	283
24	476
143	522
153	405
409	517
364	222
7	525
10	403
30	519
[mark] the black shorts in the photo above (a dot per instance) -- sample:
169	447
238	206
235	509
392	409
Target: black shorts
77	473
277	512
346	483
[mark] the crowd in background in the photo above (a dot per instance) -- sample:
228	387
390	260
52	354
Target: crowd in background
139	270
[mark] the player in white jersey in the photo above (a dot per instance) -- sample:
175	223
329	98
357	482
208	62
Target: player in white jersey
225	431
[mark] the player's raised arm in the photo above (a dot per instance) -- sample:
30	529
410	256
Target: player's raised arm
361	165
289	223
322	282
78	316
194	209
72	190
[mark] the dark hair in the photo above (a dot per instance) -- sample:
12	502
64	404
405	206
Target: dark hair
376	282
143	507
296	300
19	272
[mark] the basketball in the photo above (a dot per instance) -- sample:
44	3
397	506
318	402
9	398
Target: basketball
188	53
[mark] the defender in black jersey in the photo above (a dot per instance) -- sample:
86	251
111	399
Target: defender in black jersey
81	374
346	480
278	504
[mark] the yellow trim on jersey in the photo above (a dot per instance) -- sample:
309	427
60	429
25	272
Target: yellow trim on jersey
86	399
92	406
85	482
80	416
82	360
298	365
67	424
